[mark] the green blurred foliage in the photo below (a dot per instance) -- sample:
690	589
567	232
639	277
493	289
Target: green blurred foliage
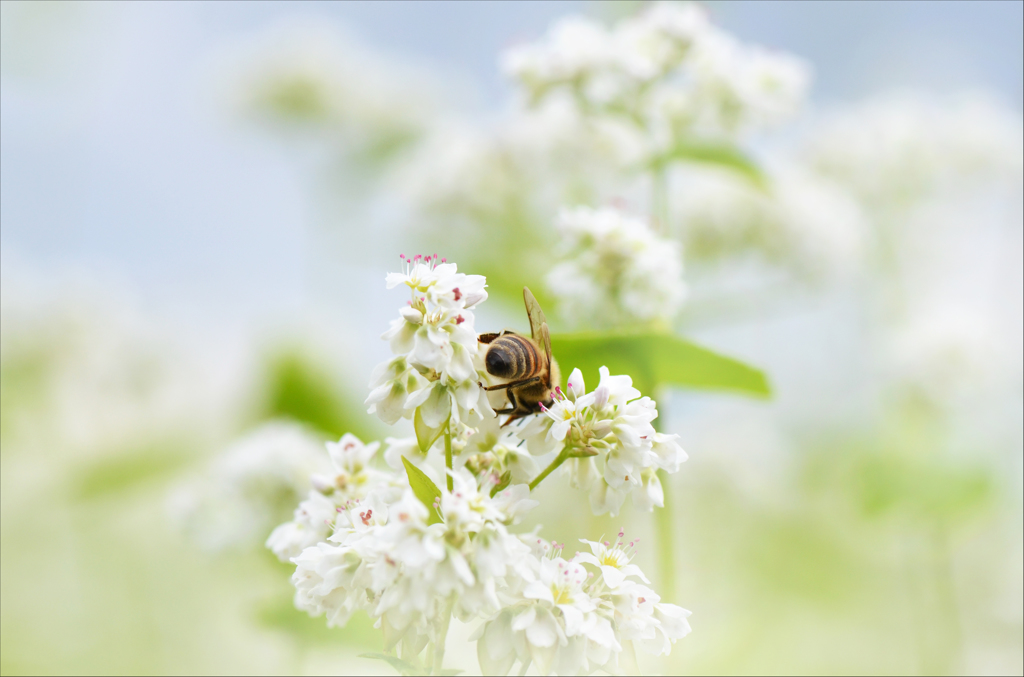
656	359
129	470
712	154
302	387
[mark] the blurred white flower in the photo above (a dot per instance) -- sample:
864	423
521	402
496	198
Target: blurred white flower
576	48
312	523
950	353
86	375
894	150
301	75
614	270
802	222
250	487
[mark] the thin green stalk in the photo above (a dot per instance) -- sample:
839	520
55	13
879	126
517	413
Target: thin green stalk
559	460
663	525
659	200
438	662
448	454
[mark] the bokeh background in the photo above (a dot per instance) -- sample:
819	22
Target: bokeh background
199	204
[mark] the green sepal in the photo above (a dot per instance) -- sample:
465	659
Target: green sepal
424	489
503	481
425	435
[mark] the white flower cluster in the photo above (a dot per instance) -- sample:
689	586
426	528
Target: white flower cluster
435	345
615	270
386	539
612	448
666	69
406	566
350	479
569	620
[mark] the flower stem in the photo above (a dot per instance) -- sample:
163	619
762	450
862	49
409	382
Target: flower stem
448	454
559	460
439	643
659	201
664	527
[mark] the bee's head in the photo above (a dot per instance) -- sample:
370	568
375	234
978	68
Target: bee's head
499	362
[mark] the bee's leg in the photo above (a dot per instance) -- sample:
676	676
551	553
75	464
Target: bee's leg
511	401
517	414
515	384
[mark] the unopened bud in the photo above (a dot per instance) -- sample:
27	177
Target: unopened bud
322	483
411	315
504	481
474	298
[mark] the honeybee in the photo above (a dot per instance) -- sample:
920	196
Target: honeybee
526	362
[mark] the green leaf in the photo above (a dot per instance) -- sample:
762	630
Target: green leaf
424	489
425	435
403	667
720	154
653	359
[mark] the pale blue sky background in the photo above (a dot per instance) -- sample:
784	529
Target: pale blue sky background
117	159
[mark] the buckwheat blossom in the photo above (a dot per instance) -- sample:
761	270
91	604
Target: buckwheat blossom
568	621
351	478
251	486
389	560
498	450
435	345
607	441
612	560
614	270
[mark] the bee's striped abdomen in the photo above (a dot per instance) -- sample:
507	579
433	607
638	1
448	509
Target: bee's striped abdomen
513	357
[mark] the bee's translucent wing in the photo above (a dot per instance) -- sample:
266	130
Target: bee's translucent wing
535	314
545	341
538	323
